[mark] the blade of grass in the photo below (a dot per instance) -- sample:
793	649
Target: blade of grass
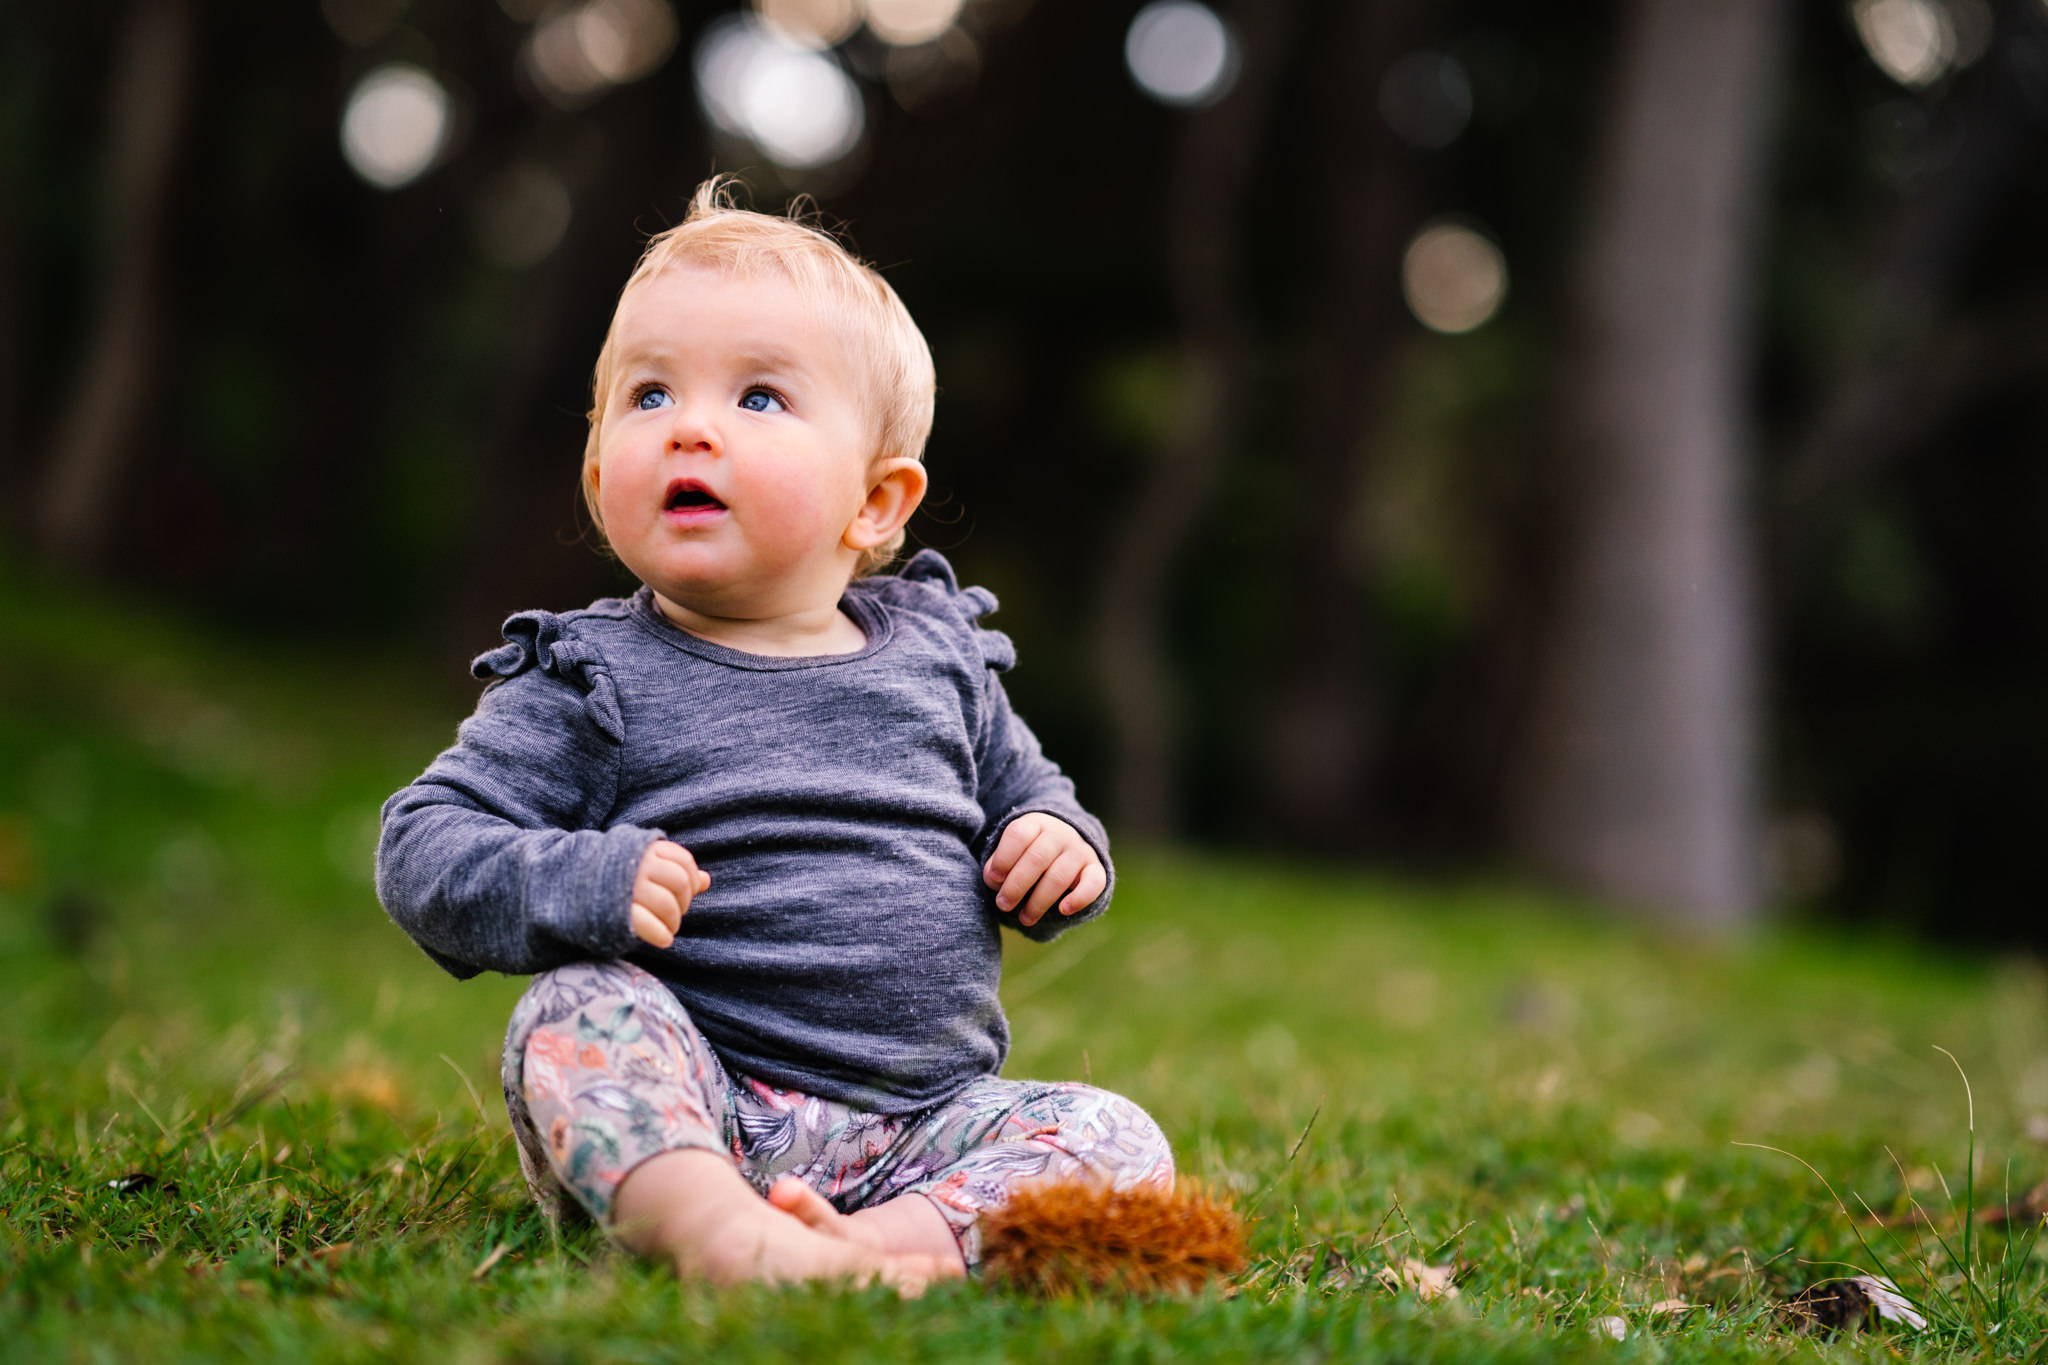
1847	1217
1266	1189
470	1086
1970	1171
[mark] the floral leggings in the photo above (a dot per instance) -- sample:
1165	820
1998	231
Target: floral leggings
603	1069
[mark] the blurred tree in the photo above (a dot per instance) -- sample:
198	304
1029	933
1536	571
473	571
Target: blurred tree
1908	587
372	408
1639	776
1323	712
1909	367
1207	199
101	418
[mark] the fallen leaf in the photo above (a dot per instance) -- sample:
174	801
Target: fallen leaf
1891	1305
1664	1306
1617	1328
1428	1281
1836	1305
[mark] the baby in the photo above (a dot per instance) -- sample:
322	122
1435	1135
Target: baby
754	829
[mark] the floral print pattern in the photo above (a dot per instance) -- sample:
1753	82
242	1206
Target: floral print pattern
603	1069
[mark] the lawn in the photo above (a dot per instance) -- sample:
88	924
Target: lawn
241	1116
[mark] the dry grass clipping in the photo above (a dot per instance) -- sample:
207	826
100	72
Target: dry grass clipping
1065	1237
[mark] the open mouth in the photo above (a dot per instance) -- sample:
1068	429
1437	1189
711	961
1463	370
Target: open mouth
688	495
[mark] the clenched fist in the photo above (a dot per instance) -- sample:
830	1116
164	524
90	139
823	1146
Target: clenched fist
667	880
1040	860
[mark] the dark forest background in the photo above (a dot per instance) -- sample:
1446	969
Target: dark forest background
1706	575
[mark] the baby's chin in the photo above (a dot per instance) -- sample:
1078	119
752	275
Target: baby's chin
730	593
708	592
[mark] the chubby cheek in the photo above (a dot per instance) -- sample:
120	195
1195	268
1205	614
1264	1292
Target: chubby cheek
628	492
795	511
623	514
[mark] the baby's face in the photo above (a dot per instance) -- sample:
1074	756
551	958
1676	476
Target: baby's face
735	452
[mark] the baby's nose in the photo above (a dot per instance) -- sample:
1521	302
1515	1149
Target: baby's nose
693	434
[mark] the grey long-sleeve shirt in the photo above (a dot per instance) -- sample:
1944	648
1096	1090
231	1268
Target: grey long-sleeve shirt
843	805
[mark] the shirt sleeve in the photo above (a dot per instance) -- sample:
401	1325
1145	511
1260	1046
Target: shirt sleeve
496	858
1018	779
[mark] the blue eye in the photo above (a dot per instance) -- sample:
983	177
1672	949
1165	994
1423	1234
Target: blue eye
652	398
762	400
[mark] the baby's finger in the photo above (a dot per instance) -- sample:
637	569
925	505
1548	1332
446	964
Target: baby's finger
1015	840
649	928
667	848
661	902
673	854
1093	879
1061	875
1025	874
677	880
668	853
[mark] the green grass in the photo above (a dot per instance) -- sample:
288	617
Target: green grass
196	984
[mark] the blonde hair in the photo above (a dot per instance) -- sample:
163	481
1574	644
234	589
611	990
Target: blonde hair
719	235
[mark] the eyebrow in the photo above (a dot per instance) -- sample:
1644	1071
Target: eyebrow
754	358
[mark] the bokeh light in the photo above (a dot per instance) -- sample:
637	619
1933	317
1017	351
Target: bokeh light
810	23
796	104
907	22
1912	41
1453	277
580	51
522	216
395	124
1181	53
1426	98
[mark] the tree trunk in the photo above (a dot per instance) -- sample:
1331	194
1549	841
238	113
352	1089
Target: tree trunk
102	414
1638	780
1206	200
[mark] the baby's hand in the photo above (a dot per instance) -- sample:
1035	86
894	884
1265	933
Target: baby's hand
668	878
1050	853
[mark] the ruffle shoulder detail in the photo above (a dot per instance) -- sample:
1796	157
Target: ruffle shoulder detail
543	640
930	569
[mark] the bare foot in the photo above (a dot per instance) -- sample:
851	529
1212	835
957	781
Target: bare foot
909	1225
694	1208
770	1245
815	1212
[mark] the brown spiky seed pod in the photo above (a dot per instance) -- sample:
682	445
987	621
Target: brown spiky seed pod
1064	1237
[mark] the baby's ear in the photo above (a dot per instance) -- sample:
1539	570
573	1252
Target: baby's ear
894	491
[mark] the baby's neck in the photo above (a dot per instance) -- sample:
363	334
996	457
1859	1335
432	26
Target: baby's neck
795	635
